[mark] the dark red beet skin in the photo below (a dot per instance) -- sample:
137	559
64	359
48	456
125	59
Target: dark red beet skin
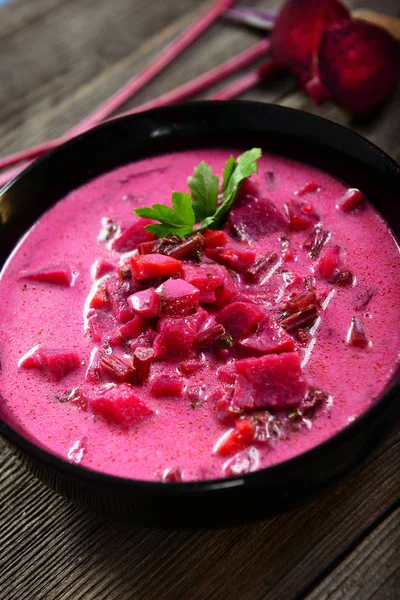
359	63
297	32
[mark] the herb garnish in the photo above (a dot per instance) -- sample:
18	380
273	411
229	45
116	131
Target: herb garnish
204	205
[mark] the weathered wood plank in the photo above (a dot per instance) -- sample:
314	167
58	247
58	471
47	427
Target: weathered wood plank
371	571
49	544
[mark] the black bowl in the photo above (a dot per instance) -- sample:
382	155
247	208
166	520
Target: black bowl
204	124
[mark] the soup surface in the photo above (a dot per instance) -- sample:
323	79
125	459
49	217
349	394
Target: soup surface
153	361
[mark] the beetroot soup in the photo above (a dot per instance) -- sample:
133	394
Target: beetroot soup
184	357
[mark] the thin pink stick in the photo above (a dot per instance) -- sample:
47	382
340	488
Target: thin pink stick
193	87
174	49
245	83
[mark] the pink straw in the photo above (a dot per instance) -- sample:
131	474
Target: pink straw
174	49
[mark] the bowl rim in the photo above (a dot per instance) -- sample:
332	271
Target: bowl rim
99	478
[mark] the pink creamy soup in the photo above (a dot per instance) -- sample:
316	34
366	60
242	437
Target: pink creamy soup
290	334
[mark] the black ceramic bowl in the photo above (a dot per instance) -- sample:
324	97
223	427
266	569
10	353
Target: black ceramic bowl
204	124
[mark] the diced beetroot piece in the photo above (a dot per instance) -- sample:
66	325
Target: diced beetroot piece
248	189
315	242
59	363
208	336
120	405
263	268
167	385
117	369
234	440
208	279
352	199
56	274
237	260
214	238
176	336
356	335
189	367
239	319
269	339
151	266
142	361
301	215
132	236
299	301
100	298
178	298
186	248
118	293
224	411
358	63
273	380
133	328
329	262
227	373
146	247
297	33
257	218
32	359
102	267
308	188
124	272
102	326
145	304
243	462
172	475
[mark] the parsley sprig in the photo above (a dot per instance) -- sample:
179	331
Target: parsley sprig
204	206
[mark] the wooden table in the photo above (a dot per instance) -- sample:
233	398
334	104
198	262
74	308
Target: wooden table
59	60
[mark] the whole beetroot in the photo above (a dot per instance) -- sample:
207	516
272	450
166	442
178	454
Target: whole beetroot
359	64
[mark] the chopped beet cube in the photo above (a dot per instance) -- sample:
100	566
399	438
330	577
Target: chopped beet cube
240	319
243	462
329	262
132	236
144	340
263	268
172	475
145	304
269	339
117	369
124	272
237	260
227	373
142	361
150	266
146	247
214	238
208	279
186	248
120	405
273	380
102	326
176	336
56	274
133	328
178	298
208	336
356	335
351	200
102	267
118	292
58	363
248	189
236	439
256	218
307	188
167	385
100	298
301	215
315	242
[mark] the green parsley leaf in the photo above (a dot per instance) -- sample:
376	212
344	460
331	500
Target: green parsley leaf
202	206
204	189
178	220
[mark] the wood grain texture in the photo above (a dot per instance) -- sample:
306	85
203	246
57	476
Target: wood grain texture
60	59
